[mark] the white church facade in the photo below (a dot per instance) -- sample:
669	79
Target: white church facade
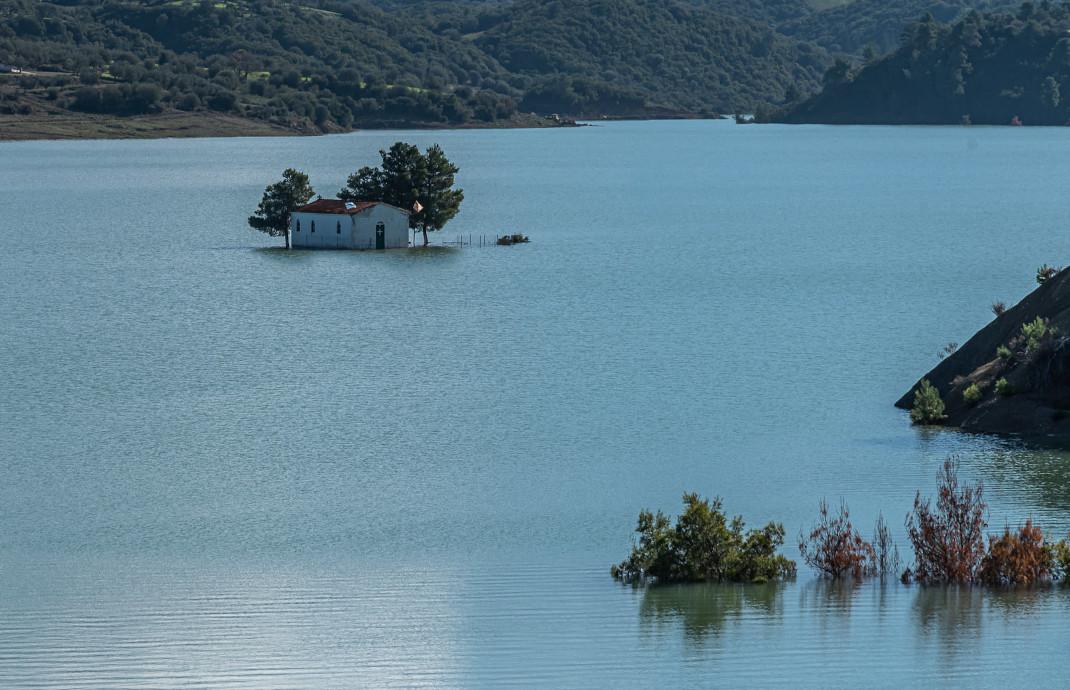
337	224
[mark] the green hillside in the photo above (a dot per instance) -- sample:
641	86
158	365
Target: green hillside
876	25
331	65
986	69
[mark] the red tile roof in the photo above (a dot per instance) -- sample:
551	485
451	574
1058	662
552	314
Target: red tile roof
336	206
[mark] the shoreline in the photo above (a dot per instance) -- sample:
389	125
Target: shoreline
194	125
183	125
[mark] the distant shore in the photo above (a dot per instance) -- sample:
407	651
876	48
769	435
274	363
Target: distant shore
178	124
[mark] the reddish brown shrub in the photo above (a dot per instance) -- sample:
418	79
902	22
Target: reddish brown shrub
835	548
1017	559
948	541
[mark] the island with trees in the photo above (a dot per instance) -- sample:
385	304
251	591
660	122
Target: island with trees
422	183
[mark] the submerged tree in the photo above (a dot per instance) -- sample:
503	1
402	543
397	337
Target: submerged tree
1021	558
280	199
419	182
704	546
836	549
949	539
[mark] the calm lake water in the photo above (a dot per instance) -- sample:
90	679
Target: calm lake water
223	465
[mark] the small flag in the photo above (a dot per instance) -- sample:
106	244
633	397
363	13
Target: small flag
417	207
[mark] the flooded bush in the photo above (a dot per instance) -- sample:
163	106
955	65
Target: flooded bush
1060	555
887	552
835	548
972	394
1017	558
703	546
948	540
928	406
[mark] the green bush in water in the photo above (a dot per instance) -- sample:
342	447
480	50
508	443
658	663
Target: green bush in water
928	407
972	394
704	546
1060	556
1004	388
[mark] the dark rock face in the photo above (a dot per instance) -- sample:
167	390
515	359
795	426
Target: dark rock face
1039	377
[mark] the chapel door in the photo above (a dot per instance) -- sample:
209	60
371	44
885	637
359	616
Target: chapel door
380	236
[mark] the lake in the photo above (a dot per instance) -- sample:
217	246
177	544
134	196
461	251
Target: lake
225	465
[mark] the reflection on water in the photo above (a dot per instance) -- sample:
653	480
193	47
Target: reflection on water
704	609
1043	474
471	431
833	597
946	614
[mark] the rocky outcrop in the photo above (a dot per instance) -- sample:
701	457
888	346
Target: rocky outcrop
1034	400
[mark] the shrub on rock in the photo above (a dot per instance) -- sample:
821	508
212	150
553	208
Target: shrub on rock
928	406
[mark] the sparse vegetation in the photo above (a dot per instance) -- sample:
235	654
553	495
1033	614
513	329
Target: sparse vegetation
928	406
1004	387
972	394
1046	273
1005	353
703	546
948	350
998	308
1035	333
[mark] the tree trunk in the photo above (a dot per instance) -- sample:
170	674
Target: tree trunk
426	242
287	238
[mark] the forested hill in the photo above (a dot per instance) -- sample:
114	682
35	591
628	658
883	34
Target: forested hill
315	67
671	55
991	68
876	26
328	65
323	65
853	27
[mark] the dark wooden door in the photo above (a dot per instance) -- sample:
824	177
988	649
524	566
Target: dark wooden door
380	236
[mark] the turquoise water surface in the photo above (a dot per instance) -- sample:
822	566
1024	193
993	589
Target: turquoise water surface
225	465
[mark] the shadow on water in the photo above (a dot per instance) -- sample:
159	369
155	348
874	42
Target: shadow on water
705	609
948	613
1032	474
1039	473
830	596
406	255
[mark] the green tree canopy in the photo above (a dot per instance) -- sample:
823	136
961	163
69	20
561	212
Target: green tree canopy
421	183
280	199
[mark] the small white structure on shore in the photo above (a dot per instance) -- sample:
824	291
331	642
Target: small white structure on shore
337	224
